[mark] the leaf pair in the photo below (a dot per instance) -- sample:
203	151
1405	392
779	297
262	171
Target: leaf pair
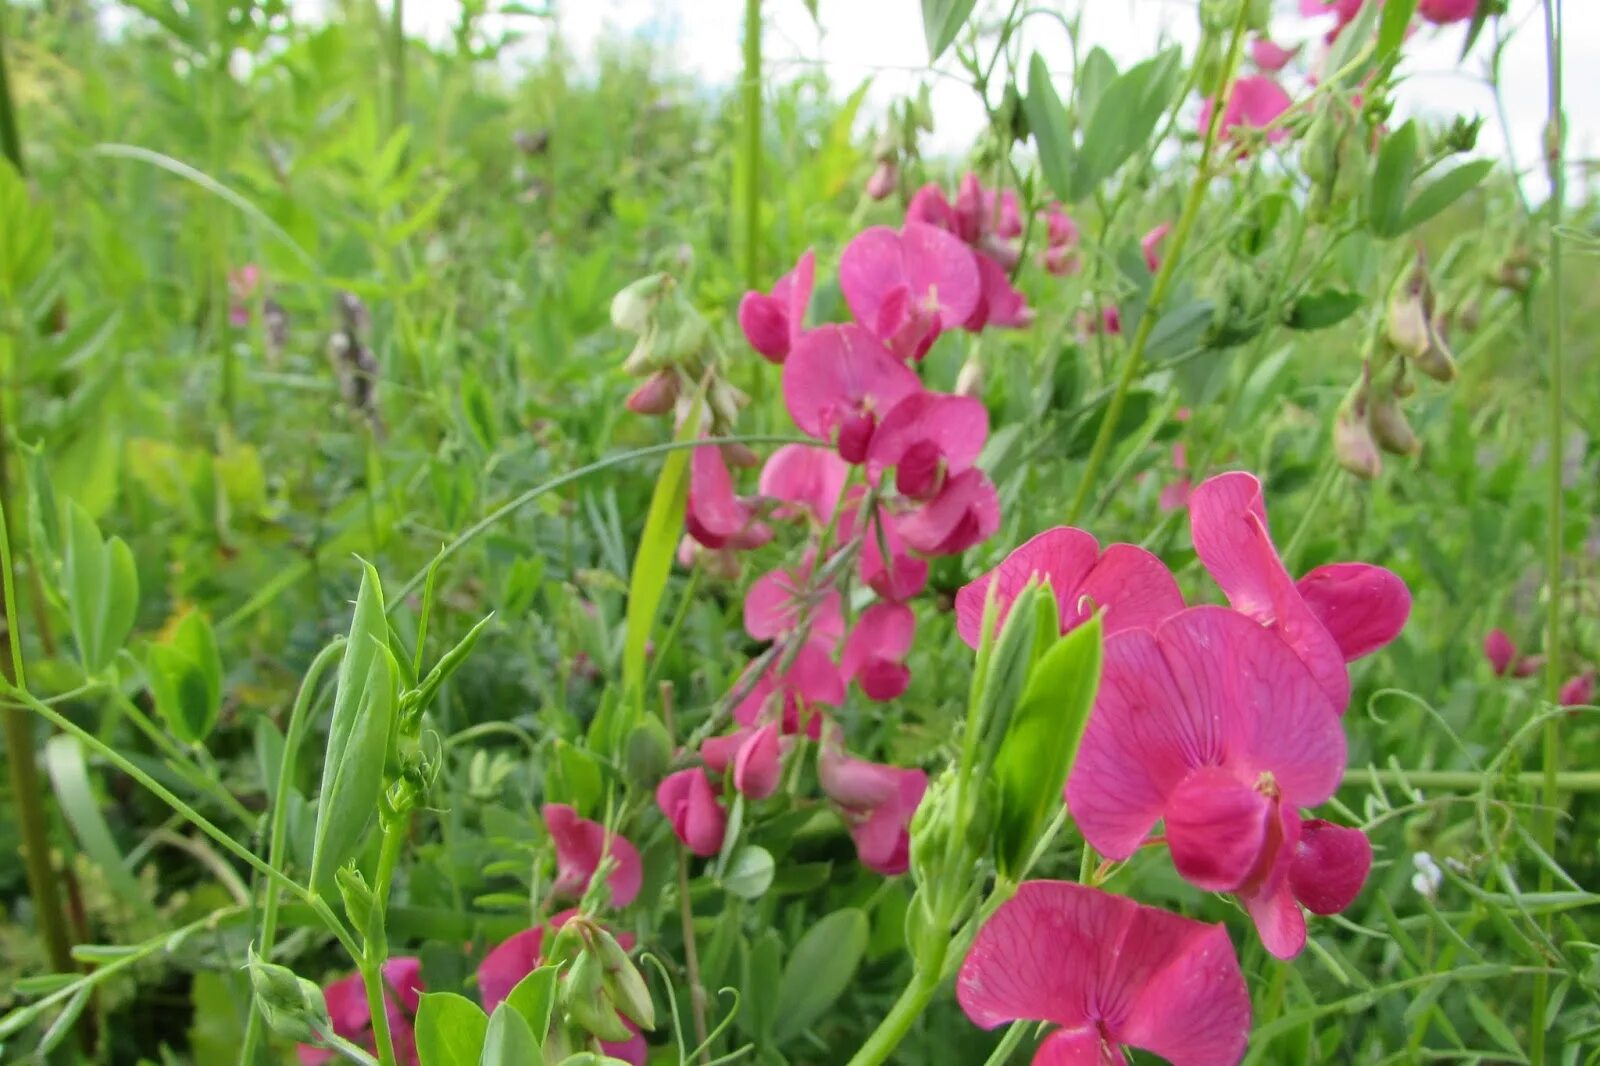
101	588
452	1030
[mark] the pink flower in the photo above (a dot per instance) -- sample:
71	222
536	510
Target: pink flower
656	396
352	1018
1060	229
242	286
580	846
691	807
1269	56
1111	973
1444	12
1578	691
1333	615
1211	724
1527	665
520	954
1499	650
807	479
839	382
714	515
874	655
964	513
878	802
1000	304
1255	102
1152	258
979	215
1345	12
906	288
758	766
1132	587
883	180
900	576
794	697
987	224
772	324
927	438
778	604
1111	321
928	204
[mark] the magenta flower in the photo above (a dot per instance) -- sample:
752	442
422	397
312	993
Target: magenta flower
758	766
580	846
987	224
1112	974
520	954
1111	321
793	698
1335	614
1001	304
1132	586
352	1018
1579	690
1210	723
692	809
900	576
657	395
1256	101
877	802
906	288
1149	245
927	438
772	324
714	515
964	513
982	219
928	205
1269	56
1444	12
882	181
1499	650
779	604
807	479
875	652
1061	241
839	381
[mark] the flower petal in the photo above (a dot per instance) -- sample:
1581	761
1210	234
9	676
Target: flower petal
1279	921
758	767
837	372
1078	1047
1363	607
1132	586
1216	829
1062	557
580	846
807	476
955	427
691	807
1329	867
508	963
966	512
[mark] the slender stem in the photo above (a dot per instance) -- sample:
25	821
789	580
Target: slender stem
375	948
1555	160
1163	281
691	956
1572	781
10	135
898	1022
397	71
1003	1050
1330	471
751	151
197	778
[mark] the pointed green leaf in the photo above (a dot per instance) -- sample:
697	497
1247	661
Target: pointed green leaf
534	998
819	970
1052	131
1391	181
1444	191
941	21
451	1030
1392	29
509	1040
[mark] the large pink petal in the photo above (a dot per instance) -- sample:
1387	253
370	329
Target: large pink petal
882	838
1001	304
1216	829
1363	607
1062	557
1329	866
966	512
928	204
766	325
1194	1010
1078	1047
1132	586
1279	921
794	289
882	637
837	373
942	272
580	846
809	477
508	963
953	427
1256	101
855	783
691	807
776	604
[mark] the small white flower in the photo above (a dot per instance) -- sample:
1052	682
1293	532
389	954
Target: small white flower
1428	878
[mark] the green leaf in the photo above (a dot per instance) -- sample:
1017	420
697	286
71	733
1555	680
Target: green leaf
1124	118
509	1040
69	776
1179	331
941	21
451	1030
750	872
534	998
1391	181
1006	671
1052	131
102	590
186	679
1444	191
762	972
1042	741
1080	434
819	970
1323	308
26	237
1392	29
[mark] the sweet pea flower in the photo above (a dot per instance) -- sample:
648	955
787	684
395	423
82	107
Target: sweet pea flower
896	578
1579	690
1132	587
779	604
693	811
808	479
1148	244
875	652
965	512
758	766
1001	303
1112	974
979	215
580	845
839	381
987	225
714	515
1061	241
520	954
877	801
928	204
927	438
351	1015
793	697
773	323
1333	615
1213	725
906	288
1499	650
1270	56
1255	101
1444	12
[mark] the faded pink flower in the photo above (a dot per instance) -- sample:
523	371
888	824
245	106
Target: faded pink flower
773	323
906	288
692	809
1333	615
927	438
1499	650
875	652
1255	102
352	1017
900	576
1149	245
877	801
1112	974
1444	12
1579	690
714	515
778	604
795	697
1132	586
580	845
657	395
838	384
1344	12
1213	725
883	179
1271	57
808	479
965	512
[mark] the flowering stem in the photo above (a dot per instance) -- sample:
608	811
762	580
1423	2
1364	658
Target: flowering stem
375	946
906	1010
1164	276
1555	133
750	155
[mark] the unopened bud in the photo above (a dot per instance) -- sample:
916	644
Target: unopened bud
657	395
292	1007
1406	325
356	895
624	982
725	401
587	1001
969	382
740	455
1353	445
883	180
630	308
1436	360
1390	428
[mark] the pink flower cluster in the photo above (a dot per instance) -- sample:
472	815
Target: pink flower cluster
1501	651
1222	724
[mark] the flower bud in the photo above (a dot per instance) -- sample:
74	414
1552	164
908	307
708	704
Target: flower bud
587	1001
1390	428
630	308
725	401
1436	360
1218	16
624	983
740	455
1406	325
657	395
883	180
292	1007
1353	445
356	895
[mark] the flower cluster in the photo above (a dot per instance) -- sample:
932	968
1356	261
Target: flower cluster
1223	725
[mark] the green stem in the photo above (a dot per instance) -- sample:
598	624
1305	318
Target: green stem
279	828
1163	282
751	149
1008	1044
1330	471
10	135
897	1023
397	71
203	783
1573	781
1556	162
375	949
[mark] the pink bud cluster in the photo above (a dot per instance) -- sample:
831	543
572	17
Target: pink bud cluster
1504	659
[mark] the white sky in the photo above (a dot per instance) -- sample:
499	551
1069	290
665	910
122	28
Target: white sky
883	39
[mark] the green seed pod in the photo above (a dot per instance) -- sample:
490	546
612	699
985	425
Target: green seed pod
587	1001
1435	360
1353	445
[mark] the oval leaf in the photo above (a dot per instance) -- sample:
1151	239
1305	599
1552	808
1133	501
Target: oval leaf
819	970
450	1030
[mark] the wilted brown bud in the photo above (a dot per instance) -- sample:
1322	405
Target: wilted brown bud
1353	445
1390	428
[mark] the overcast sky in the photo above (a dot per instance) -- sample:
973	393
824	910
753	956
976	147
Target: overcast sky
883	39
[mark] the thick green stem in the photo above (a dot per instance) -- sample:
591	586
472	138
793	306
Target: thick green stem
901	1017
375	949
750	154
1162	285
10	136
1555	158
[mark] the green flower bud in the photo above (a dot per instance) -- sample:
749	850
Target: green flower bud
631	308
1218	16
356	895
292	1007
587	1001
624	983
